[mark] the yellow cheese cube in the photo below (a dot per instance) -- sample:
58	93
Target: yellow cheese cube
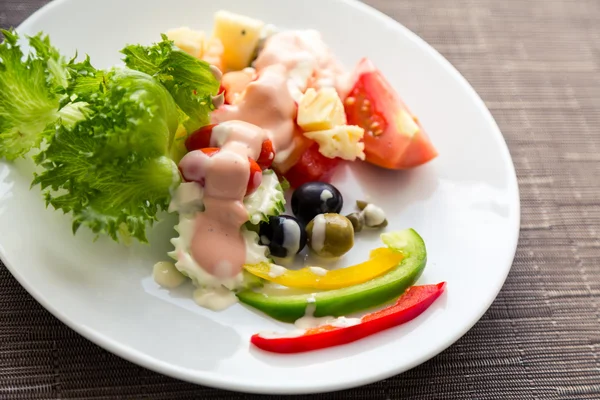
320	110
343	141
240	36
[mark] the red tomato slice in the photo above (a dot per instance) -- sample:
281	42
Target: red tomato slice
267	154
200	138
394	137
312	166
255	177
209	151
255	171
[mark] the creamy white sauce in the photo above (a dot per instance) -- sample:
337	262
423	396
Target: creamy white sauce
276	335
318	233
326	195
220	134
291	237
276	270
166	275
309	320
343	322
213	293
318	271
215	299
373	215
255	252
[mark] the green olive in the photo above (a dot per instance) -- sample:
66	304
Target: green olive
330	235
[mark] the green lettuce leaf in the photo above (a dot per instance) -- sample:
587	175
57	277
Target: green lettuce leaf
111	170
188	79
106	138
29	98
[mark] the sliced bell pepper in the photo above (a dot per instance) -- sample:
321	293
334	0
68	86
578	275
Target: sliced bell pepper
381	260
409	306
338	302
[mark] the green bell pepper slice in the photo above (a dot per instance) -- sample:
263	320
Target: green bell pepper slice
344	301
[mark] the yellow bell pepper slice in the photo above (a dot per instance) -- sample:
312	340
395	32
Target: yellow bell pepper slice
380	261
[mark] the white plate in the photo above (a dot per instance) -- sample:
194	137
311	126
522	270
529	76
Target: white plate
465	204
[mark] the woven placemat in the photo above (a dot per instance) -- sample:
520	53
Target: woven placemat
536	64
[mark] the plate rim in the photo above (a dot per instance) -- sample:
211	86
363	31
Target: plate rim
201	377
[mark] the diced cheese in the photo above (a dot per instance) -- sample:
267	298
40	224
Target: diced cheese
188	40
343	141
320	110
240	36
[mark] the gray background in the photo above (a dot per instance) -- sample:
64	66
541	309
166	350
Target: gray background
535	64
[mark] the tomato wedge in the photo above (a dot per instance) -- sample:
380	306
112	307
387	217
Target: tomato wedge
394	137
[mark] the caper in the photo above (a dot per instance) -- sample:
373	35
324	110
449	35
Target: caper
357	221
371	215
381	225
330	235
361	204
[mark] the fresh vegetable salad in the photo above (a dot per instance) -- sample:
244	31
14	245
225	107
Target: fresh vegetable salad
216	128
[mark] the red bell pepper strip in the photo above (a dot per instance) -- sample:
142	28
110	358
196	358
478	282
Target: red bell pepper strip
409	306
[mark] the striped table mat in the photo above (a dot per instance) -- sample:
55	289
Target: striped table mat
536	65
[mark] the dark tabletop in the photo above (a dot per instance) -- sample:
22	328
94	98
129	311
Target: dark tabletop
536	65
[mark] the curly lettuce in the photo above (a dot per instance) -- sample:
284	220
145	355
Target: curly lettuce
28	93
190	81
105	137
111	170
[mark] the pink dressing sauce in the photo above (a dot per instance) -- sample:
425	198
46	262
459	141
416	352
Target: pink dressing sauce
265	110
217	244
266	102
304	55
